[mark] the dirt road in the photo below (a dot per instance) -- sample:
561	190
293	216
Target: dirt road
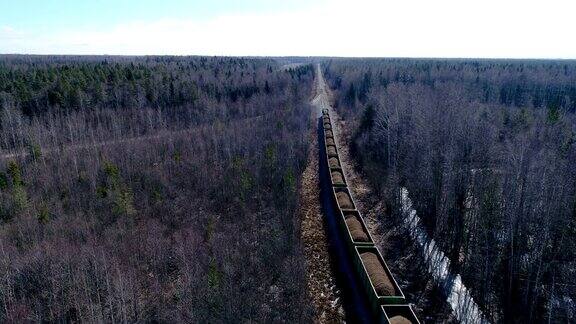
137	139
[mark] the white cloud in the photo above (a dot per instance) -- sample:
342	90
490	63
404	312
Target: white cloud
442	28
6	29
9	33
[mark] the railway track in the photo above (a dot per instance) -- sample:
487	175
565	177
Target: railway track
371	294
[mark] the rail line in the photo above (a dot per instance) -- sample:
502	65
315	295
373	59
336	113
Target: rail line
371	294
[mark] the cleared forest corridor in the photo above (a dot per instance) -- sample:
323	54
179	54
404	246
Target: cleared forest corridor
354	302
463	307
157	136
321	281
347	262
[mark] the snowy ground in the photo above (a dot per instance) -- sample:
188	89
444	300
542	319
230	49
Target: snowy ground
459	298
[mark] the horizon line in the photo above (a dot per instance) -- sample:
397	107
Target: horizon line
302	56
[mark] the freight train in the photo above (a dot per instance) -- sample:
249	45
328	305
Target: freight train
386	299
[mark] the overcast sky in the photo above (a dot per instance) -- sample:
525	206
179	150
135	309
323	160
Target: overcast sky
401	28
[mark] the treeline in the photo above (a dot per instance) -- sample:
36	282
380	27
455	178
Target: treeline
45	84
157	211
115	97
520	83
487	151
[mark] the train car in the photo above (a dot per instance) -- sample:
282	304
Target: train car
351	222
330	140
379	283
336	173
332	156
343	199
331	151
398	314
329	134
337	178
334	163
355	230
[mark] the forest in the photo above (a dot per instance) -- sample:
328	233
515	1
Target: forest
486	150
151	189
167	189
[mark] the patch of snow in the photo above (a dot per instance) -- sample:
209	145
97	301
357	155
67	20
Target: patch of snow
458	296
